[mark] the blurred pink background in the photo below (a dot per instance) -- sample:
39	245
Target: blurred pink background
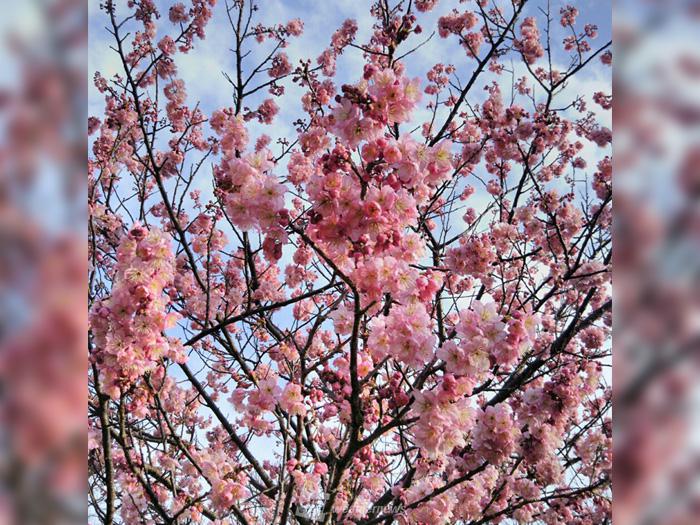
657	263
43	269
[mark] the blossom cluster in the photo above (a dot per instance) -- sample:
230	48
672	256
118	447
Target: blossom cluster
462	24
254	198
387	98
530	45
445	418
128	326
405	334
495	433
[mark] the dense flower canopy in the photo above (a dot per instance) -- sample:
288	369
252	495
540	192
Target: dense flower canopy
398	313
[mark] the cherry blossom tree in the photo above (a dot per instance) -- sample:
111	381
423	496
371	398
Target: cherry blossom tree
398	313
